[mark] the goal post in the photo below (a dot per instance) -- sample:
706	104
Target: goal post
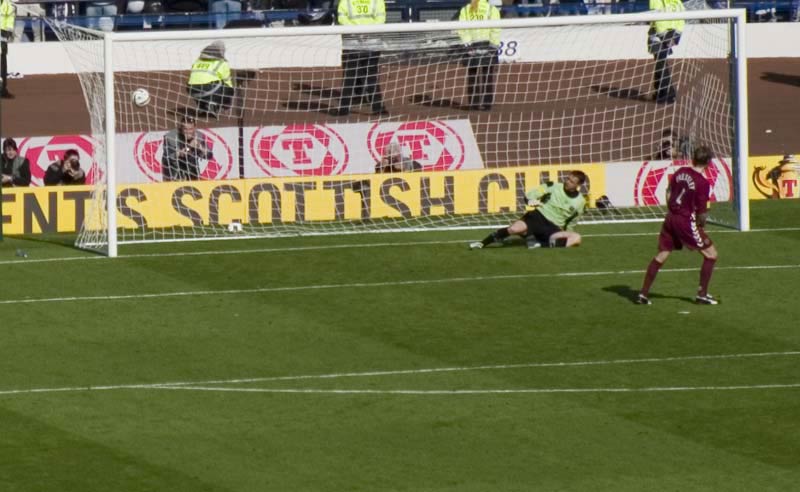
560	93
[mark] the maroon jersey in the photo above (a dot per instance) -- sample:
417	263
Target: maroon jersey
688	193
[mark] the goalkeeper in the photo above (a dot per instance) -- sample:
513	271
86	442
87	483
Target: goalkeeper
210	82
552	223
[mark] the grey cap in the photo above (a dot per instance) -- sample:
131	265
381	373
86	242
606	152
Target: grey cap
214	50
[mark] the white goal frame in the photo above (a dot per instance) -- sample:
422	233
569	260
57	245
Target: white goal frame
738	58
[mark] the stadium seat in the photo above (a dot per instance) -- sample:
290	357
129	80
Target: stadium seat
187	6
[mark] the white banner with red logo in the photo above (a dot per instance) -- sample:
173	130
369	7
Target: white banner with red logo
43	151
645	183
273	151
139	155
330	150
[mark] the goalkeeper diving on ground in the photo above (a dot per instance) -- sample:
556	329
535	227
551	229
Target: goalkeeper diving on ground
552	223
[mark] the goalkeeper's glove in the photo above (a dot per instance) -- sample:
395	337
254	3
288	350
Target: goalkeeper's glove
534	202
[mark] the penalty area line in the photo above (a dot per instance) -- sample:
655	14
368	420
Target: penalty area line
489	391
530	365
301	249
495	367
357	285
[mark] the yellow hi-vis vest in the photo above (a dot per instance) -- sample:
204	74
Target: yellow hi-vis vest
667	6
361	12
210	71
485	11
7	15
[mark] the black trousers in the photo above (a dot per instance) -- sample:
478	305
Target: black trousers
662	75
212	98
360	84
481	68
4	64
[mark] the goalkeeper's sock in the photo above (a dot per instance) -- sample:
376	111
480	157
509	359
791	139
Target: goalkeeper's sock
705	275
496	236
650	276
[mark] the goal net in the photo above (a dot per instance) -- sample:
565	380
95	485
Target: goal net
405	126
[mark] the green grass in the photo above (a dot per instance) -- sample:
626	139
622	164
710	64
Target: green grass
403	306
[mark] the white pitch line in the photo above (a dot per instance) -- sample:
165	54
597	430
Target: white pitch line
397	372
395	283
290	249
301	249
315	391
527	365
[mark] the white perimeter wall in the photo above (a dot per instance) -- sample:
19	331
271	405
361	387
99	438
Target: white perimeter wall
617	42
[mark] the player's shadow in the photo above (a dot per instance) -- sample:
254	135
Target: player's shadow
316	91
312	91
179	112
307	106
319	104
619	92
781	78
626	292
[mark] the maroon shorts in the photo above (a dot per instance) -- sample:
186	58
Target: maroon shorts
679	231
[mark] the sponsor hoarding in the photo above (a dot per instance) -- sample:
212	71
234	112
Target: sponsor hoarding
271	151
634	184
774	177
289	199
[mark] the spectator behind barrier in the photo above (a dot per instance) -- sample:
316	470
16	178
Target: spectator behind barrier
396	159
183	149
16	170
65	171
29	13
224	11
101	15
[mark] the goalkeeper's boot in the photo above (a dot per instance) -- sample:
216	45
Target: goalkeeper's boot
476	245
706	299
532	243
642	299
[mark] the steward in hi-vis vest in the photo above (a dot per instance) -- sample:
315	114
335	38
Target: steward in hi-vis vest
661	38
481	53
360	57
8	13
210	83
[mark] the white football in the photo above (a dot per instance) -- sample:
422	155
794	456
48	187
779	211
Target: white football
140	97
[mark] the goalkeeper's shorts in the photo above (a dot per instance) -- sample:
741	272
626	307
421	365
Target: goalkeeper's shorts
540	227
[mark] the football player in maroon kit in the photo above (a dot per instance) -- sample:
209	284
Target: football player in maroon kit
687	200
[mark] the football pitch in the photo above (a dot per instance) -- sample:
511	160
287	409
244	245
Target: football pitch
402	362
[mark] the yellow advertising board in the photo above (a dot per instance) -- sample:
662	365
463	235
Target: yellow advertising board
774	177
288	200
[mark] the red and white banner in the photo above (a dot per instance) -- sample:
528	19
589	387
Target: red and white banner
284	150
144	151
330	150
645	183
43	151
